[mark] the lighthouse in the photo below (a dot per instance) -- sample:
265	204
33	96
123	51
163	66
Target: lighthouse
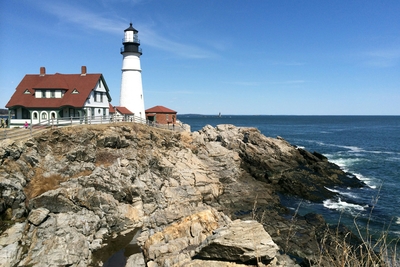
131	95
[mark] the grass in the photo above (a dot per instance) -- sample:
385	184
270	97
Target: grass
40	184
105	158
340	247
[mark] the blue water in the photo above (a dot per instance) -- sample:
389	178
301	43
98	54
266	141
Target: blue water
367	146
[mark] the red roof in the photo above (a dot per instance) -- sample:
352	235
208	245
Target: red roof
111	108
123	110
83	84
160	109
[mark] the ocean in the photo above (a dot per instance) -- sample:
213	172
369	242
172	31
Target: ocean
367	146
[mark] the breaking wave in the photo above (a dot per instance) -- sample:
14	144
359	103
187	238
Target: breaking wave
343	206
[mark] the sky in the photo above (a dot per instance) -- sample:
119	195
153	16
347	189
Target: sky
255	57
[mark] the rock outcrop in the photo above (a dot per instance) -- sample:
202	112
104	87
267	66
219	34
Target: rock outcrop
75	196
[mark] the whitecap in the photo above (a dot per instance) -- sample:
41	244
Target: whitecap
343	193
398	220
395	159
342	205
370	182
344	163
353	148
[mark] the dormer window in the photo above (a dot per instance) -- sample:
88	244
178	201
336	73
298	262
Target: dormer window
43	93
27	92
75	91
52	94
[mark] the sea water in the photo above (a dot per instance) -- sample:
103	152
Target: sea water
367	146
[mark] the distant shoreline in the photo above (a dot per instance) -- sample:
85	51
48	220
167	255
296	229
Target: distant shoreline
259	115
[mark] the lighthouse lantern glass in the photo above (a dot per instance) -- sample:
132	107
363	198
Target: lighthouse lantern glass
128	36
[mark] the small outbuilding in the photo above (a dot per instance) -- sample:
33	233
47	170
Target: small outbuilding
162	115
123	114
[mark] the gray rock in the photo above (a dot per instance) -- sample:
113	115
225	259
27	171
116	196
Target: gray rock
136	260
37	216
10	250
243	241
10	255
170	184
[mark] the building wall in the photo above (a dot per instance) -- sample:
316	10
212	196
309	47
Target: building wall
131	94
98	97
163	118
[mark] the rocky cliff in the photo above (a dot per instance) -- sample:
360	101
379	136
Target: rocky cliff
77	196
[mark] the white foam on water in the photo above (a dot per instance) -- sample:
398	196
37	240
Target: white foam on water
398	220
343	193
344	163
342	206
370	182
393	159
353	148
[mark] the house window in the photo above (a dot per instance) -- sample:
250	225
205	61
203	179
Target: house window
101	97
44	116
44	93
75	91
35	115
26	92
104	112
52	94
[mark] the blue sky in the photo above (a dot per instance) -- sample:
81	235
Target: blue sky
235	57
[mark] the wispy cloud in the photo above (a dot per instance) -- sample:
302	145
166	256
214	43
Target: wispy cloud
289	82
152	38
382	58
254	84
84	18
110	23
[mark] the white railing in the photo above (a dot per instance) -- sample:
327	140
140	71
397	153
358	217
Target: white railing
18	130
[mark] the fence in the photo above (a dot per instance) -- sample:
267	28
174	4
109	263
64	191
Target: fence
18	133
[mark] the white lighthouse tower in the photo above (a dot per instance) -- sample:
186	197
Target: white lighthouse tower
131	95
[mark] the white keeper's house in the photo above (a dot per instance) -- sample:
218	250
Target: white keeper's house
45	98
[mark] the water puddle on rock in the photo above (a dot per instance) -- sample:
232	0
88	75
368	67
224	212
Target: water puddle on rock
117	250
